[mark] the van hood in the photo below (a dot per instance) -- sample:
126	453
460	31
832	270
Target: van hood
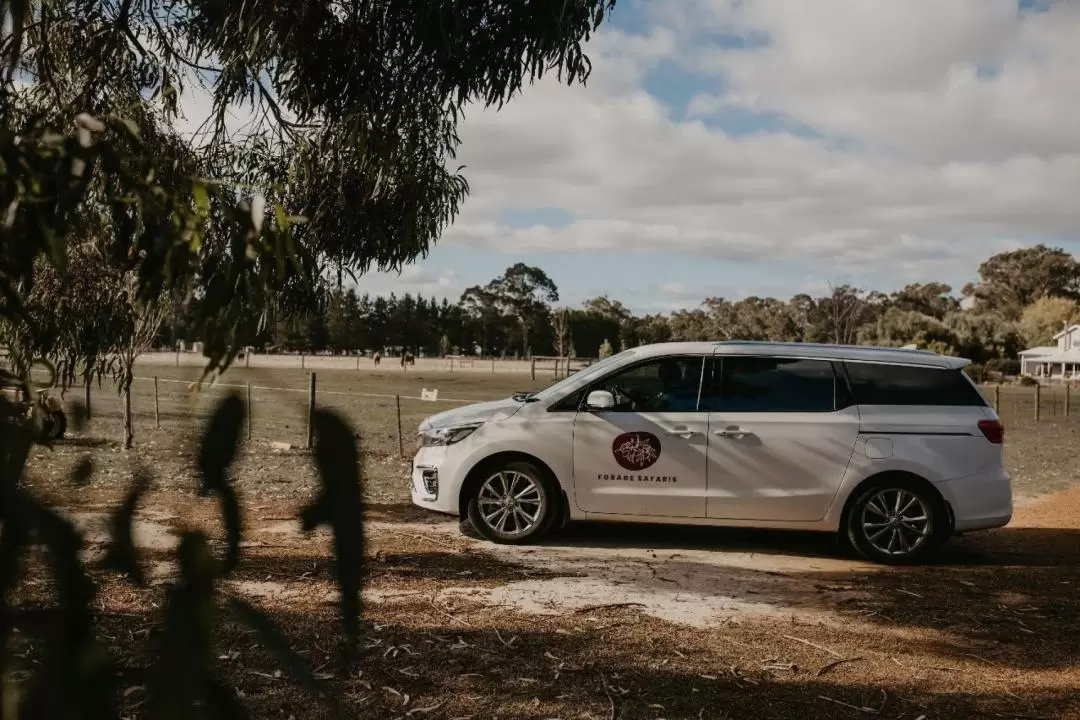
479	412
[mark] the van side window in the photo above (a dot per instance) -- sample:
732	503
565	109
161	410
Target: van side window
741	383
670	384
878	384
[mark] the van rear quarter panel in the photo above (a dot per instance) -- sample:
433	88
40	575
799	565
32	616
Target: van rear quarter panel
938	443
935	443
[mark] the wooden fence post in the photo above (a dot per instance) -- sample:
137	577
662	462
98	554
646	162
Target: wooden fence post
247	358
400	438
997	399
89	382
532	367
1066	399
157	406
358	361
302	362
249	411
1038	400
177	356
451	363
492	365
129	420
311	411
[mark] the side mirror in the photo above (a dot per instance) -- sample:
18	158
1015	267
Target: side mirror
600	400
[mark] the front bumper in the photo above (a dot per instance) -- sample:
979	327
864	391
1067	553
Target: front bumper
436	480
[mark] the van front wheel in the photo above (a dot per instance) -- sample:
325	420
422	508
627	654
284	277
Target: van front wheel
514	504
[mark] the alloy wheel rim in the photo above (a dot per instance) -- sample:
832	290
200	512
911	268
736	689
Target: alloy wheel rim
510	503
896	522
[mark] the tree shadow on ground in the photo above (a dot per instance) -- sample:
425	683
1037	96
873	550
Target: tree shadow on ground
85	441
685	537
403	512
412	662
470	567
1008	595
1032	547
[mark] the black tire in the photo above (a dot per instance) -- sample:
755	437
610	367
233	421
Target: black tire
465	527
514	531
881	534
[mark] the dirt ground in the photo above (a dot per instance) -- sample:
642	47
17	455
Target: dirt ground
600	621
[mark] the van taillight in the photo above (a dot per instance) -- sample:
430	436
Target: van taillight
993	430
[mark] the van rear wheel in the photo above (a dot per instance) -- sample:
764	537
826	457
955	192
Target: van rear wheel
513	504
897	522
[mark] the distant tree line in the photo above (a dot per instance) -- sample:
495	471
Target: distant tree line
1021	299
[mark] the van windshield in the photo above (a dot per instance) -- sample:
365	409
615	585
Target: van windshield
584	376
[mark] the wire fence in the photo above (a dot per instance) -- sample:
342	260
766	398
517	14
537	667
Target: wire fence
536	366
1026	404
388	421
278	415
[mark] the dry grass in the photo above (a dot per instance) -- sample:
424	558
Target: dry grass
1039	455
989	631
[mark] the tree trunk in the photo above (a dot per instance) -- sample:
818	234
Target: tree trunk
129	426
86	397
524	337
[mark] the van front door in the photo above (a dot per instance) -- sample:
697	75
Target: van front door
781	434
646	455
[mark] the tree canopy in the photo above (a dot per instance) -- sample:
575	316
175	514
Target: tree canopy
1010	281
110	216
928	314
346	163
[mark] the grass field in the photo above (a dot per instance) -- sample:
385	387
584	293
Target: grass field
601	622
1039	454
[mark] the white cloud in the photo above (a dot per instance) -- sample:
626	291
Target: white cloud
415	280
942	165
908	75
672	288
947	132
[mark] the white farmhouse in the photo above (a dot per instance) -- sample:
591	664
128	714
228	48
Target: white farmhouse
1057	362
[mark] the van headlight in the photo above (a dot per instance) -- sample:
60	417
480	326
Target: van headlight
447	435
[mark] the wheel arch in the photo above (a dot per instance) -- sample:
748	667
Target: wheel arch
886	476
476	474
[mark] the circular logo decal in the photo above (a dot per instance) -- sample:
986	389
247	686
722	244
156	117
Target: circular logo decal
636	450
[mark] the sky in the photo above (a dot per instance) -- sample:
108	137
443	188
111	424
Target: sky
724	148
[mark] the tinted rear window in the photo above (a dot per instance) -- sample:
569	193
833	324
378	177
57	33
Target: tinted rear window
904	385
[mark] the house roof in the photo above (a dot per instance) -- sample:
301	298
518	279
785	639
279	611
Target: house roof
1057	356
1066	331
1042	350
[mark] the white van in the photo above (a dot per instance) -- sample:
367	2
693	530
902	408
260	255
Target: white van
895	449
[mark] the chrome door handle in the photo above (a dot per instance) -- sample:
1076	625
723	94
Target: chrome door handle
736	434
684	433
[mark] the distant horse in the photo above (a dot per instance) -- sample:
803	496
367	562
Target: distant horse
376	357
407	358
